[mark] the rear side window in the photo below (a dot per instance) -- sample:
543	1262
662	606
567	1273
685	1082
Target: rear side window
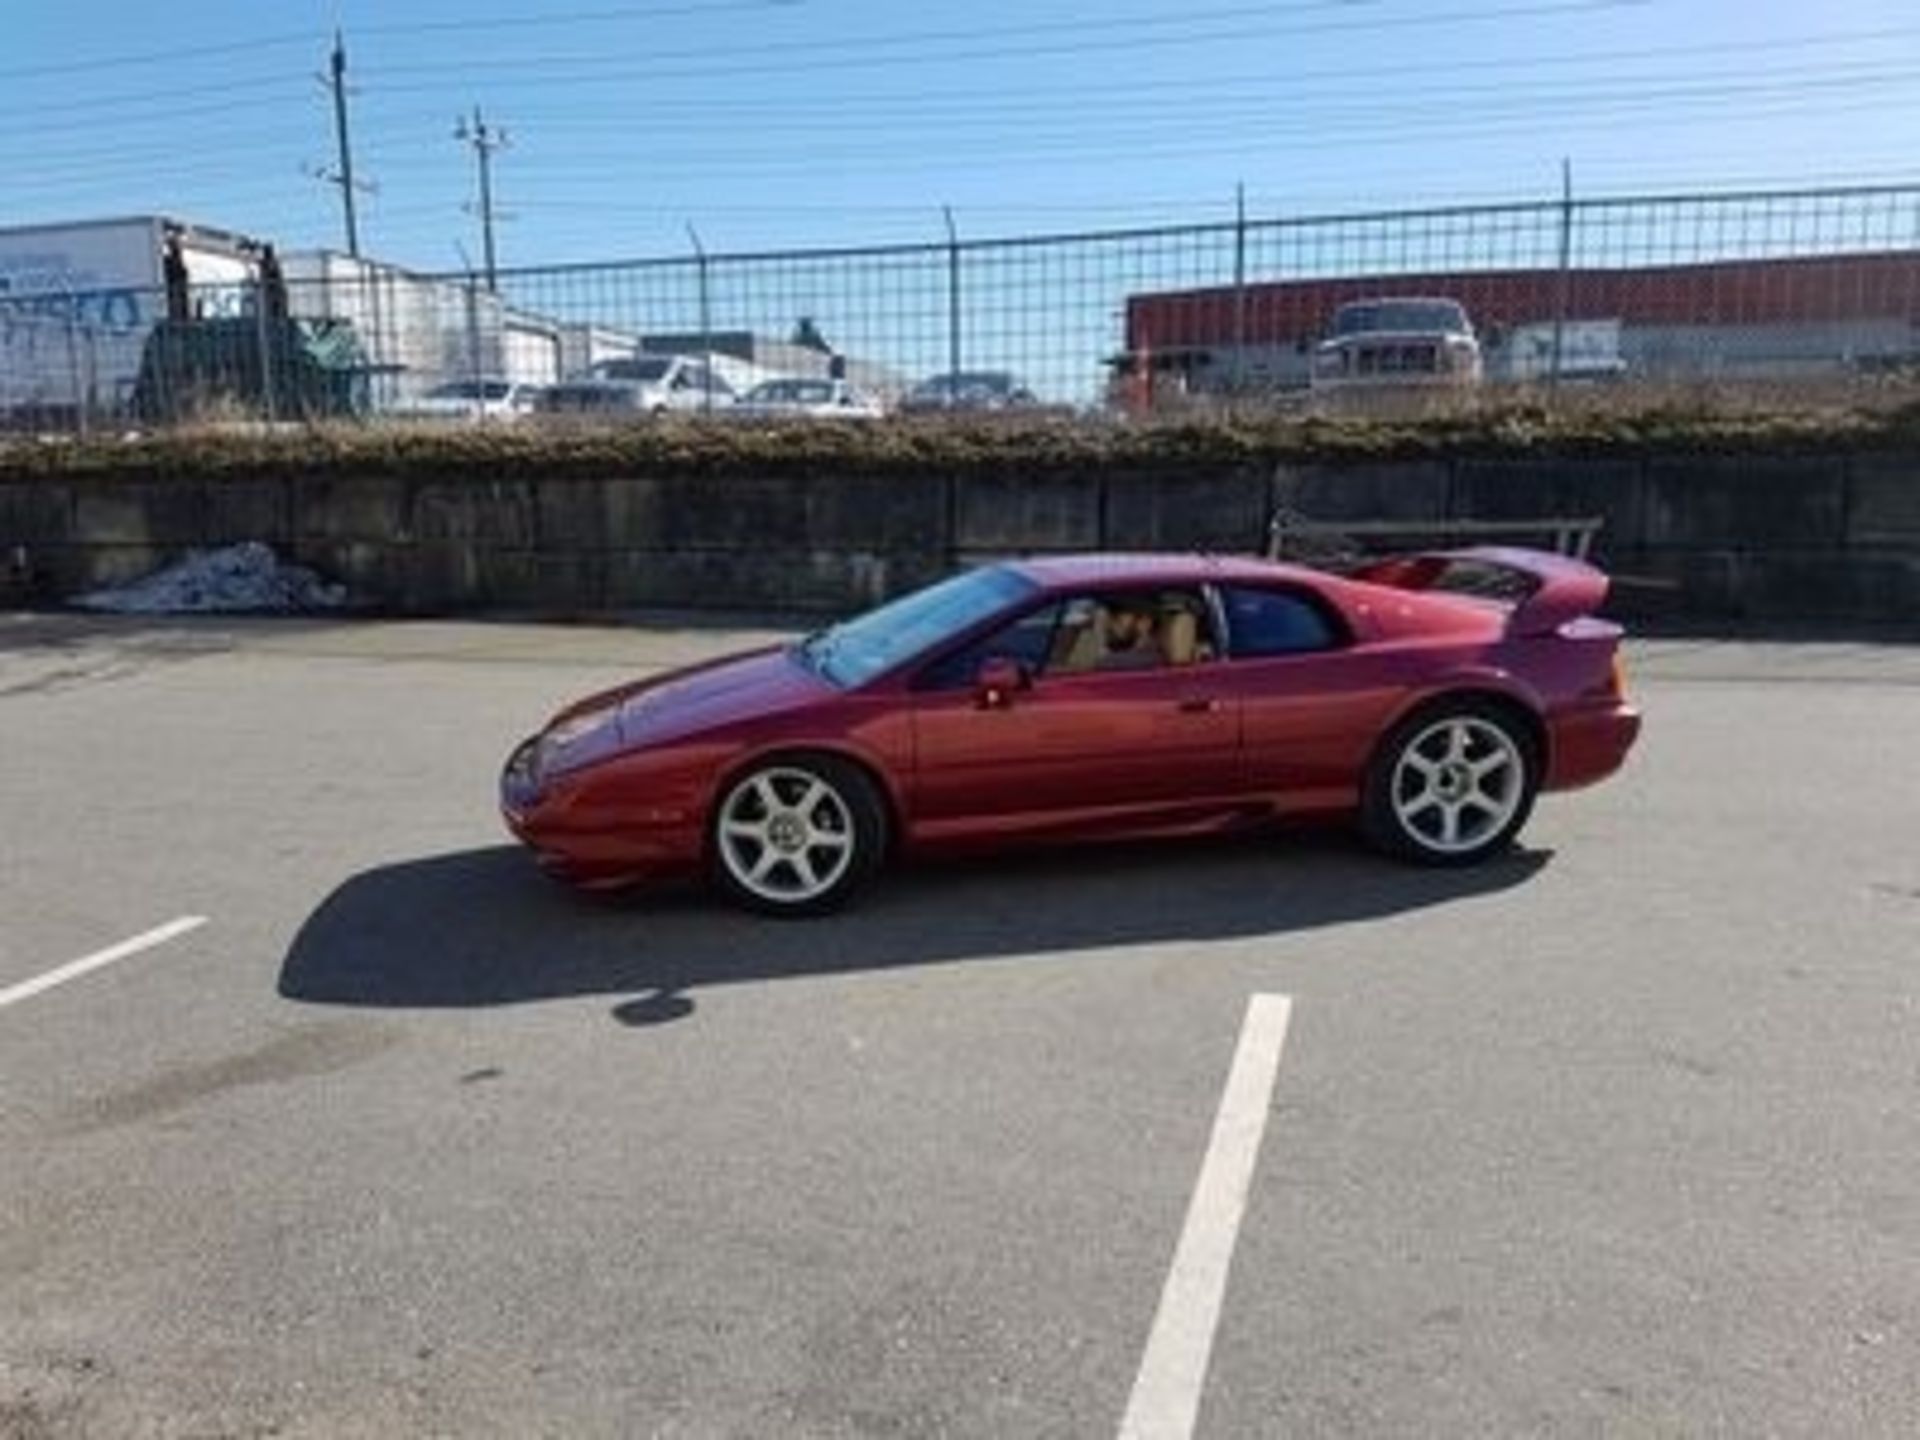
1274	622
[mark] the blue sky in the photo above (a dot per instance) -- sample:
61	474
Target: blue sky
772	123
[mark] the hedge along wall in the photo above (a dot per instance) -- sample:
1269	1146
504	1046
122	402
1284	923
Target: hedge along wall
1776	536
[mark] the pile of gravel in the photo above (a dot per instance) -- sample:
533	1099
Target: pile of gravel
240	579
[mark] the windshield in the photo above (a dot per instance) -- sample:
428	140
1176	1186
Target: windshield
854	651
792	392
988	381
470	390
634	369
1401	317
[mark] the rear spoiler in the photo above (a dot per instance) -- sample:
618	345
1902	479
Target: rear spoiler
1545	590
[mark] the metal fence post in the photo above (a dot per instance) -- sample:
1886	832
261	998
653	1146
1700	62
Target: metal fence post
262	326
90	369
1236	374
952	396
706	323
1562	297
73	363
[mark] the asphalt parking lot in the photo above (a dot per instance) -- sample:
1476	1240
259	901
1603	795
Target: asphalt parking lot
1620	1135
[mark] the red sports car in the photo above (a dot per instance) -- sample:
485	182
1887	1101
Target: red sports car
1071	699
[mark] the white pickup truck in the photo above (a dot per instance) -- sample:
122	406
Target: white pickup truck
1395	342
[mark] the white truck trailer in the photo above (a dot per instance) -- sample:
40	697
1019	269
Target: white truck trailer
77	302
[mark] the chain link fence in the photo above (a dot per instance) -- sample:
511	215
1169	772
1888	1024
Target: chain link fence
1762	297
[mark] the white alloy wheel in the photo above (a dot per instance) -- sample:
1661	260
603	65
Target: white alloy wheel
1458	784
786	836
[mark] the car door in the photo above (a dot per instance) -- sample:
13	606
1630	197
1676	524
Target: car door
1311	704
688	388
1079	749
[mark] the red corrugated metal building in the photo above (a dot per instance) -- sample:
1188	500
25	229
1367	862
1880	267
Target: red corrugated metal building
1831	294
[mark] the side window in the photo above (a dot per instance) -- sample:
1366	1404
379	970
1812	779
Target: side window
1132	630
1273	622
1026	640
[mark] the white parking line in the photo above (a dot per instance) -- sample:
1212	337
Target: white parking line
1166	1393
86	964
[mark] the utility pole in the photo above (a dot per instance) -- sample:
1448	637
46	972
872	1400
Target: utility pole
338	70
341	175
484	139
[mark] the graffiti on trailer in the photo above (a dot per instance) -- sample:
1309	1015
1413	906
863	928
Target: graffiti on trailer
108	312
38	289
64	333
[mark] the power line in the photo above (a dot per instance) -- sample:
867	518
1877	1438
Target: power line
1554	100
36	111
1407	100
1229	123
470	25
1279	123
101	111
570	17
158	57
1081	26
726	72
974	98
1234	140
172	145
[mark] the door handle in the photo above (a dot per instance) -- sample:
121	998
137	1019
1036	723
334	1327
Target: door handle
1199	705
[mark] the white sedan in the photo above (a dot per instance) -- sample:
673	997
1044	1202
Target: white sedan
807	400
471	400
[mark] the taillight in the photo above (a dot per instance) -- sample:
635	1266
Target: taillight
1609	687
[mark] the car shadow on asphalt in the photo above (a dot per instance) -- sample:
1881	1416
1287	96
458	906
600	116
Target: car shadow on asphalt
483	928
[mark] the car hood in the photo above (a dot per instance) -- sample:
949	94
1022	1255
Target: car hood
707	696
1392	337
437	405
775	410
702	697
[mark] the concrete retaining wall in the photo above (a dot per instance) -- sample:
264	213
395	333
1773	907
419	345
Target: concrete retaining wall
1758	537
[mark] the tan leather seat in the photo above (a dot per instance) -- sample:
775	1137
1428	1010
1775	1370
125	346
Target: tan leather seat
1084	648
1179	634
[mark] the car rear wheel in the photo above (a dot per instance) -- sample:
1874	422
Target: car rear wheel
796	837
1451	785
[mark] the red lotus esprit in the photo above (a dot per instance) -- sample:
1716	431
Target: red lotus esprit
1067	699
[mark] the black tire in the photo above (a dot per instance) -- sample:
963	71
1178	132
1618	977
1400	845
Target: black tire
1415	777
804	832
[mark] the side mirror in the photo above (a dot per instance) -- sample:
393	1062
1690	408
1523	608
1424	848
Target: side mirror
998	680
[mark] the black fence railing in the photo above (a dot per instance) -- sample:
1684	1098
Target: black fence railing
1777	292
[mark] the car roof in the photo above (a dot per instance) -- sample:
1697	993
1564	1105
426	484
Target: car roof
1073	572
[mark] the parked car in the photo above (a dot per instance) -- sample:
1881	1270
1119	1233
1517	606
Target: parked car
1398	342
807	399
471	400
1575	352
641	385
1088	698
971	390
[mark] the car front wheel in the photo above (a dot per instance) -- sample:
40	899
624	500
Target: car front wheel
796	837
1451	785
